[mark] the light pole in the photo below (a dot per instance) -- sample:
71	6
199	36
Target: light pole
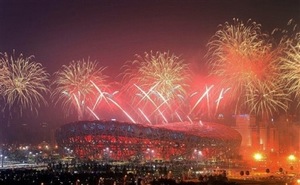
150	152
107	153
292	158
2	160
258	157
198	154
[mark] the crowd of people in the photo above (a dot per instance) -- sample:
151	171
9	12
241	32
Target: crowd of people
103	174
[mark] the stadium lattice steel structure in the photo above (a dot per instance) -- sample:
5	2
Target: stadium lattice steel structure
123	141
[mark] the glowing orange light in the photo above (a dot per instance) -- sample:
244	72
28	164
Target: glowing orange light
258	156
292	157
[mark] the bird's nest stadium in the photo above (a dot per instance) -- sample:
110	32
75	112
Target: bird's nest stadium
123	141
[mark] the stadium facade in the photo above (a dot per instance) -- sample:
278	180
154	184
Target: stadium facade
114	140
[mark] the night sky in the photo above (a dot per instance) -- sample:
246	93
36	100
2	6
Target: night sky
112	32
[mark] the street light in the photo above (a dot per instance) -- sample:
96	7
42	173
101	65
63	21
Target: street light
258	156
198	153
150	152
292	159
2	160
107	153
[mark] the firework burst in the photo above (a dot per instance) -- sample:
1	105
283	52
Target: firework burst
266	98
290	66
4	74
168	73
77	85
158	80
240	54
23	81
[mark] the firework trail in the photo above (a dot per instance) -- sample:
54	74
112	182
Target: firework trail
157	80
74	85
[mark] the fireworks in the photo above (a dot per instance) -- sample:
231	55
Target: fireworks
168	74
242	56
233	50
266	98
23	81
159	82
291	67
78	85
156	82
156	87
206	103
4	74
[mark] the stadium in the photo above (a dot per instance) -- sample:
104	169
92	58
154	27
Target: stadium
123	141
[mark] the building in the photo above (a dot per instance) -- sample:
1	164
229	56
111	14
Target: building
125	141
